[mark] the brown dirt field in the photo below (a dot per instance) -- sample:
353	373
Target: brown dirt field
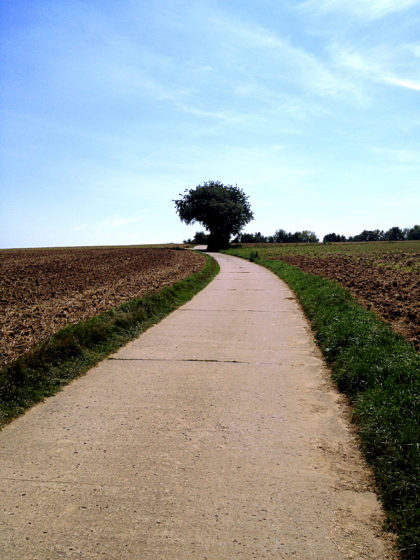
42	290
387	284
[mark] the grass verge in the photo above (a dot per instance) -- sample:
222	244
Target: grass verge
75	349
380	373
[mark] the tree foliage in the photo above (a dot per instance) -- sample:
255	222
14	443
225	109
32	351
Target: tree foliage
306	236
200	238
414	232
393	234
222	209
334	238
279	236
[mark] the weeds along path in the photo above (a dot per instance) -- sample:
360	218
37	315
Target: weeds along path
216	434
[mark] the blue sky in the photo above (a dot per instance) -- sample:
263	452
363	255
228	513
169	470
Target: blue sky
110	109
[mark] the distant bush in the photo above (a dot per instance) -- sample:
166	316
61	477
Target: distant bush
334	238
306	236
200	238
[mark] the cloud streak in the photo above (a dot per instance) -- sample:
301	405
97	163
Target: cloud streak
293	63
360	9
381	64
403	83
400	156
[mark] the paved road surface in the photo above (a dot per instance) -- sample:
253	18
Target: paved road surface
216	435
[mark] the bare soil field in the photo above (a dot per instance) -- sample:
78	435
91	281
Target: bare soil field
42	290
388	284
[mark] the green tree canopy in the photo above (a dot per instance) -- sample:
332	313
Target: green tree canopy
414	232
222	209
200	238
333	238
394	234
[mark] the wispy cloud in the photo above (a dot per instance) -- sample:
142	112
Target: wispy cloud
381	64
399	156
414	48
281	58
118	222
252	74
362	9
115	222
403	83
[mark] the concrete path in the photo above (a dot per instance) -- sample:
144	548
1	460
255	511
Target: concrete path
215	435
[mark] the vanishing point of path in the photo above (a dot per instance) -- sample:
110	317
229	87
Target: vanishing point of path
215	435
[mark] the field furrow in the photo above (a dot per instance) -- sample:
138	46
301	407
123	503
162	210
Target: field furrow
42	290
390	287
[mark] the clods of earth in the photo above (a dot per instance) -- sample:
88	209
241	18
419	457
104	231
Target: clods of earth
388	284
42	290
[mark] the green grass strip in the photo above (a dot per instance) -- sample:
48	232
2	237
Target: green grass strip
380	373
76	348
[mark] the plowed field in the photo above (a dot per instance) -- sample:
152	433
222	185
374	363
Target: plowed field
383	276
388	284
42	290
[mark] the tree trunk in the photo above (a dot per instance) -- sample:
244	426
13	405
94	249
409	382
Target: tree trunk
217	241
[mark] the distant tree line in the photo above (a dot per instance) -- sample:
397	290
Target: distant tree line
281	236
393	234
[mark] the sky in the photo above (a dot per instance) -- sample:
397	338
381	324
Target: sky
110	110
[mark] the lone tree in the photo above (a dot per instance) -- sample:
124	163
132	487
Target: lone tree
222	209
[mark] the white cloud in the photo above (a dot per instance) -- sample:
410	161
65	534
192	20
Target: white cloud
400	156
380	64
118	222
362	9
415	49
403	83
292	63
